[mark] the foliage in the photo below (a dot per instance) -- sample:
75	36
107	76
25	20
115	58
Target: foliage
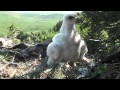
35	37
56	28
102	27
12	31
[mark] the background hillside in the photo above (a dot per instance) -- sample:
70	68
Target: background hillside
27	22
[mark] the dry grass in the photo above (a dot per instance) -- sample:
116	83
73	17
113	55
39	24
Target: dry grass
31	70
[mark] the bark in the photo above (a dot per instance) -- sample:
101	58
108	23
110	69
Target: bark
113	57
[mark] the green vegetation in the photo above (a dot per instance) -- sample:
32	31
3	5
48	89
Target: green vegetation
103	27
27	22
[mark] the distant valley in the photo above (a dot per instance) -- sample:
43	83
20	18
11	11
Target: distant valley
28	22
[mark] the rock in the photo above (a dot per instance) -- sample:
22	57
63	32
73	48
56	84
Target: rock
6	42
84	71
3	49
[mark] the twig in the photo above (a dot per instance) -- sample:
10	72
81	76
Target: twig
114	63
13	58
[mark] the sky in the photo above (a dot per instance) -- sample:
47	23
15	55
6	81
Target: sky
47	12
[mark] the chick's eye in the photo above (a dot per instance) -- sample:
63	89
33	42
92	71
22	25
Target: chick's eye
71	17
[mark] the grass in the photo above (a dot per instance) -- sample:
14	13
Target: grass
27	23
